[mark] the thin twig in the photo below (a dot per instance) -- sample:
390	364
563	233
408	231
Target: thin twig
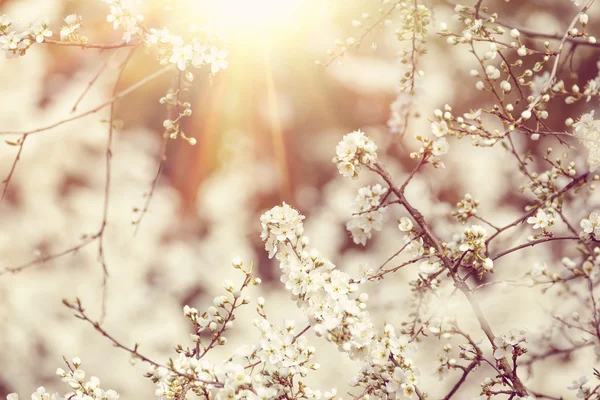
533	243
45	259
518	386
97	235
21	143
80	313
94	79
532	33
91	45
120	95
367	31
108	157
161	158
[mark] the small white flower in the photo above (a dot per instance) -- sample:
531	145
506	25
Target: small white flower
429	267
440	147
587	129
354	150
591	225
488	264
579	385
505	86
405	224
71	19
503	349
473	115
439	128
538	269
217	59
541	220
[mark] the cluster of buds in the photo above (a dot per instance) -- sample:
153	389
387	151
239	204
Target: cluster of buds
184	109
355	150
465	208
16	44
431	150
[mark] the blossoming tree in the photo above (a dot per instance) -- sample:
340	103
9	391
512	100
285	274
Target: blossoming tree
519	74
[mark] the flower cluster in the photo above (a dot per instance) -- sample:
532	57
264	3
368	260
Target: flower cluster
283	355
172	49
544	185
120	15
286	355
583	391
334	308
542	219
355	150
367	213
16	44
590	226
473	239
505	345
587	129
465	208
70	31
334	303
444	362
75	379
414	22
473	242
469	124
226	379
431	150
501	79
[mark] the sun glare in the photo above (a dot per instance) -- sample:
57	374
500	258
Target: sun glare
247	18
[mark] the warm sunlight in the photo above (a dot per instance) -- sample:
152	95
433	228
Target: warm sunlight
246	18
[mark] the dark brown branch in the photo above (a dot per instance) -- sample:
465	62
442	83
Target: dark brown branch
554	352
478	8
518	386
533	243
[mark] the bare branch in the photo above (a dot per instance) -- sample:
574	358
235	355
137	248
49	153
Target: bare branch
21	143
91	45
120	95
94	79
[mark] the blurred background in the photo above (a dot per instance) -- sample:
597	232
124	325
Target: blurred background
266	130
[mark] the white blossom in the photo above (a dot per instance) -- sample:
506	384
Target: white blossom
541	220
587	129
364	221
354	151
579	385
591	225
